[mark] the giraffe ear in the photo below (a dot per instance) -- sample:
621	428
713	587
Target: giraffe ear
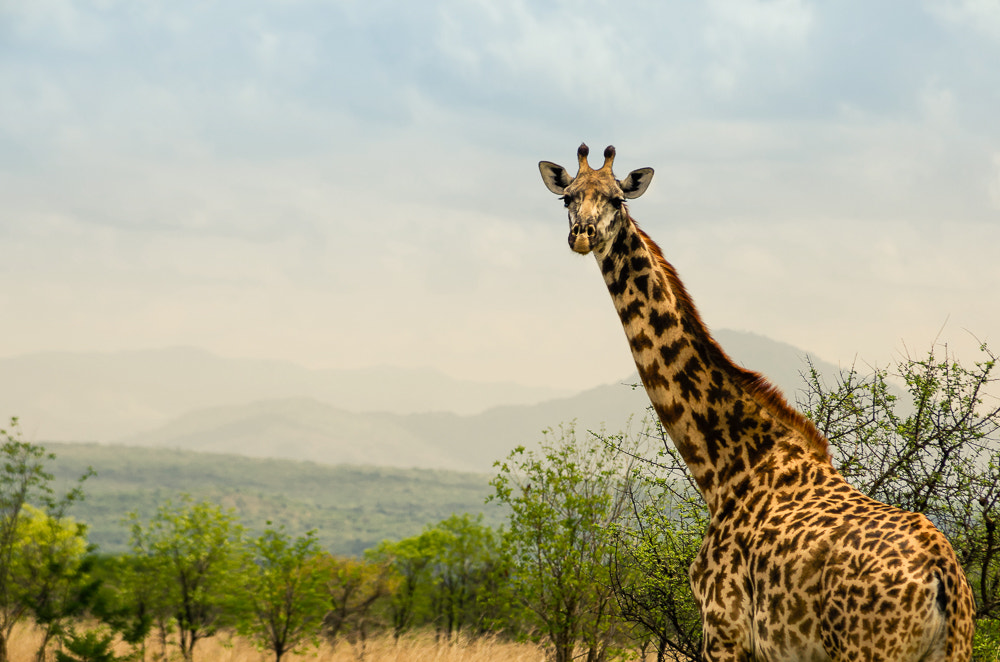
555	177
636	183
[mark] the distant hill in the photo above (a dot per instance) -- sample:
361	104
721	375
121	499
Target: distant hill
94	396
351	508
298	429
319	431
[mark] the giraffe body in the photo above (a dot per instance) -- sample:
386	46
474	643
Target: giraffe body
796	563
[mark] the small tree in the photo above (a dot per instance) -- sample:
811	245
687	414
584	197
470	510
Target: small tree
935	450
129	600
466	552
90	646
563	501
654	548
411	562
195	551
440	577
353	588
52	571
286	600
24	481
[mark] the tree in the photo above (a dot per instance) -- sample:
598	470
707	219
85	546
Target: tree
441	574
353	588
52	570
563	501
654	548
128	600
24	481
934	450
410	560
90	646
285	593
195	552
465	553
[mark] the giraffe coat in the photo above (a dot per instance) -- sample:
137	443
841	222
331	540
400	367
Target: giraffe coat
796	564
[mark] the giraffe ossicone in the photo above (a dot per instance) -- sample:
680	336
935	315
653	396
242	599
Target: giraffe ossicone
796	564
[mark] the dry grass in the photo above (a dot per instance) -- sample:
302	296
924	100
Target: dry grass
415	648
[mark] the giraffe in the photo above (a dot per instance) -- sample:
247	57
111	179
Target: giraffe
796	564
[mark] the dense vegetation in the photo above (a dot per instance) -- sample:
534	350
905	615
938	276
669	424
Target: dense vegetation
591	556
350	508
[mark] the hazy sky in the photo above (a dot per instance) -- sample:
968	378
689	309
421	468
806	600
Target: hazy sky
354	183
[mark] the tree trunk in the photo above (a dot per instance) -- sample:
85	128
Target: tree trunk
47	635
563	648
186	639
164	637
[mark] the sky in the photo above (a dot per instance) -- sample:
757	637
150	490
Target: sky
349	183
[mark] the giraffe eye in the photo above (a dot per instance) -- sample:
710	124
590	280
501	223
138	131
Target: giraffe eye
617	202
566	200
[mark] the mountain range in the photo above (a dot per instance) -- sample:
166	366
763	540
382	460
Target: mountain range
190	399
102	396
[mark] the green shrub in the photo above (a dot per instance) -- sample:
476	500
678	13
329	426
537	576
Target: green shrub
90	646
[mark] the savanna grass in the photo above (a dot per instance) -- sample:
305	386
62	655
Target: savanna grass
381	648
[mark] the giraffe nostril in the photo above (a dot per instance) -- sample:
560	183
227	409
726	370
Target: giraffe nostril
590	231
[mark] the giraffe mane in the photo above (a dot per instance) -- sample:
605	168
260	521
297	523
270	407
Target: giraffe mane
756	385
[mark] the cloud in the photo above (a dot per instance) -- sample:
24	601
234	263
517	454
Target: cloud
994	185
979	16
739	31
356	182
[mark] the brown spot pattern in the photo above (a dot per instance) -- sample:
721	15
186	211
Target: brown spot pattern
796	564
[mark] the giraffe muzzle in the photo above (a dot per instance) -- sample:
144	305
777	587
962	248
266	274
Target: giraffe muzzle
582	236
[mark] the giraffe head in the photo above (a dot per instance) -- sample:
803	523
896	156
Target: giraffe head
594	198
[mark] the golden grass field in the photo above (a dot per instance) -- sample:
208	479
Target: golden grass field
416	648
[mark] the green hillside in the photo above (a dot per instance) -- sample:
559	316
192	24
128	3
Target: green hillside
350	507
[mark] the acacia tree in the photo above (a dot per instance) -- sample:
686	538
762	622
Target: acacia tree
935	450
655	546
286	601
129	600
24	481
353	587
53	572
196	552
442	575
466	554
563	500
23	475
410	560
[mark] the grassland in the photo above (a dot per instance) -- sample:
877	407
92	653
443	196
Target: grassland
383	648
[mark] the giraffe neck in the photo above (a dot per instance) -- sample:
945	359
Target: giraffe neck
725	421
